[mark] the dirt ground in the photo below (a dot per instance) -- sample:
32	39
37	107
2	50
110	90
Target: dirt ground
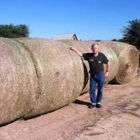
118	119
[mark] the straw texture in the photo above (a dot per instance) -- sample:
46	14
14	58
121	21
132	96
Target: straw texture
18	81
39	75
82	47
59	72
128	61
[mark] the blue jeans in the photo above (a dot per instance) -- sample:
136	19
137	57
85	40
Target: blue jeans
97	79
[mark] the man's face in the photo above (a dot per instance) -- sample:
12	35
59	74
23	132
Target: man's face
95	49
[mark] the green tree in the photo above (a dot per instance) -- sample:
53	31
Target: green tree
114	39
12	31
131	33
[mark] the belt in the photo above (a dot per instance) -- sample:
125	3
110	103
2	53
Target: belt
97	73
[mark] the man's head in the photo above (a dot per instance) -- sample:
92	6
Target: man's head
95	48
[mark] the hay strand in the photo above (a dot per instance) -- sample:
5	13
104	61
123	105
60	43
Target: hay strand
60	76
128	61
39	75
18	81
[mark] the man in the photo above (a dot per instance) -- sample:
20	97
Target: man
96	60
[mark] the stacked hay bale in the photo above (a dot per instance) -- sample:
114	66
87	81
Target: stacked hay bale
18	81
59	71
40	75
82	47
128	57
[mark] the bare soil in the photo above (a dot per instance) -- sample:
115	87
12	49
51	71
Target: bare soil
118	119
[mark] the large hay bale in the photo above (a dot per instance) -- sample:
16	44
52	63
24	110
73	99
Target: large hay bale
18	81
60	77
40	75
81	46
128	61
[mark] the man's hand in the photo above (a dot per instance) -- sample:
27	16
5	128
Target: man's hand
72	48
79	53
106	74
107	69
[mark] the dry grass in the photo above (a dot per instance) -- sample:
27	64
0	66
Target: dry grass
59	72
128	61
39	75
18	81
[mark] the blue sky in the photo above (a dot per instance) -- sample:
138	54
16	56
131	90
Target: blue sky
88	19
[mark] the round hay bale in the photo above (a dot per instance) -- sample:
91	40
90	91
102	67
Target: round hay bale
112	57
82	47
128	61
18	81
60	77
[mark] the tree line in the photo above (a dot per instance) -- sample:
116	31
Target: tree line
14	31
131	33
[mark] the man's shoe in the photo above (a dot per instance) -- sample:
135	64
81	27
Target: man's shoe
91	106
98	105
